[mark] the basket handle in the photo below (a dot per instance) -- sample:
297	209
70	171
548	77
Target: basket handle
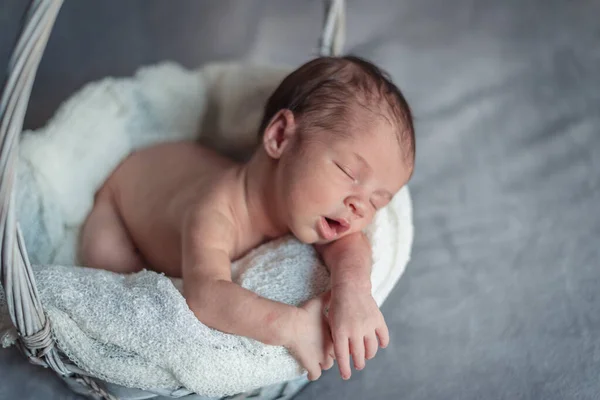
16	276
334	28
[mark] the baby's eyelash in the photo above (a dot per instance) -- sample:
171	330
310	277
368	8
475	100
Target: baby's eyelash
345	170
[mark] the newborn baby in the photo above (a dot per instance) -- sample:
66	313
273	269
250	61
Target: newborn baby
337	144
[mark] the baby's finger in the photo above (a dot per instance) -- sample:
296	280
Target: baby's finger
314	372
327	364
330	350
371	346
383	335
342	356
357	348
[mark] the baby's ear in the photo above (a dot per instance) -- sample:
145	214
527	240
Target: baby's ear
279	133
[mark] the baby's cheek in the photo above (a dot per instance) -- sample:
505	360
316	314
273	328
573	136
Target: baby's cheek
323	195
310	197
312	188
301	199
328	189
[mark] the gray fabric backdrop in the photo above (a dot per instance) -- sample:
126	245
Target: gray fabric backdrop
501	298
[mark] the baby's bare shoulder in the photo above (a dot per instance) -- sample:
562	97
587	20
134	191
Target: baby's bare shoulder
210	218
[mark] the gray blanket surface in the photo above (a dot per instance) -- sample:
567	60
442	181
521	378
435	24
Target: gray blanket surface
500	300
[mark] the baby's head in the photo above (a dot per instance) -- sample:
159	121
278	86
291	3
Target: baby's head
341	142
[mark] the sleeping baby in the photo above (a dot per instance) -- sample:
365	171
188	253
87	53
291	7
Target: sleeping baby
337	143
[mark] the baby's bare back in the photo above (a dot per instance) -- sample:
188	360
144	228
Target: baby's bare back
155	187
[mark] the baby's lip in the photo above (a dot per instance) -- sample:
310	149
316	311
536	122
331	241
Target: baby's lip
344	223
334	227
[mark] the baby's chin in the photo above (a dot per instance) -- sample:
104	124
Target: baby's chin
306	235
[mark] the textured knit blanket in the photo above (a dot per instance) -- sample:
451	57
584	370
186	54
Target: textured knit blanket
137	330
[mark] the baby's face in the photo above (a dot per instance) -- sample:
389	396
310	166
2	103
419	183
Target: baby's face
332	186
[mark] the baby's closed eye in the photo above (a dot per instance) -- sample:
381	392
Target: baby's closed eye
346	171
379	200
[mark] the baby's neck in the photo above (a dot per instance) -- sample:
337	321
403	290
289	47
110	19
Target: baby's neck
262	214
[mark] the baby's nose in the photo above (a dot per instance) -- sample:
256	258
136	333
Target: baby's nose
356	207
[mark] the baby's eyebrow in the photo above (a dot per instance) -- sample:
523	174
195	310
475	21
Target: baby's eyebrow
361	160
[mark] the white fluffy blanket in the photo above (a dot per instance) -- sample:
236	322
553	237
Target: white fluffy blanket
137	330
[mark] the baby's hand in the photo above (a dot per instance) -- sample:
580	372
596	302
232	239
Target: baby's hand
311	342
356	326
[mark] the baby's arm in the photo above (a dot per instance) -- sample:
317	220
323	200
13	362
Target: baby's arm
356	323
223	305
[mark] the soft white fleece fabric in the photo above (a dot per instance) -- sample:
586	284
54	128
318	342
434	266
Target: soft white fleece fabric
137	330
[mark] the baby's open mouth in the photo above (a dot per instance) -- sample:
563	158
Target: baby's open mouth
331	227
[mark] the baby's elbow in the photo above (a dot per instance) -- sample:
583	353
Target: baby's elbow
198	301
200	310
